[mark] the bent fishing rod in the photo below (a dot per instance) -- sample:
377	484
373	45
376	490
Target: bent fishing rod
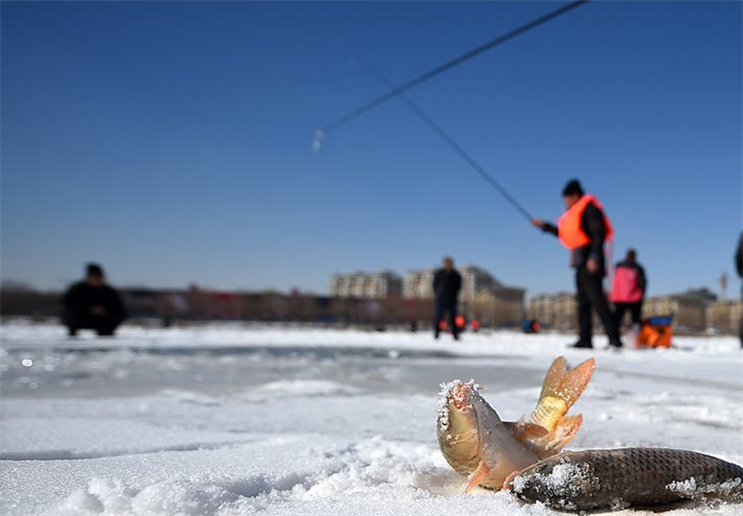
396	91
458	149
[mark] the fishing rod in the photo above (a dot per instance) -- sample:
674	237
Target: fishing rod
439	131
398	90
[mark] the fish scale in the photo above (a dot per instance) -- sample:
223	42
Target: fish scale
595	479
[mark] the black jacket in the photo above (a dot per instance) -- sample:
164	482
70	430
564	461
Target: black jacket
593	224
642	281
446	286
80	297
739	257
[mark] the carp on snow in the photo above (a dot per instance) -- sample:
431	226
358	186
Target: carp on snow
476	442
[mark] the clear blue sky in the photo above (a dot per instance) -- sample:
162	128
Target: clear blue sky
171	141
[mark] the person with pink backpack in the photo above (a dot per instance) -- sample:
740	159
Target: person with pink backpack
628	289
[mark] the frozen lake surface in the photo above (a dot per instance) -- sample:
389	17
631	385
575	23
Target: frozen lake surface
231	419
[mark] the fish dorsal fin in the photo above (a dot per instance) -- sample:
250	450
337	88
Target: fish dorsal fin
524	430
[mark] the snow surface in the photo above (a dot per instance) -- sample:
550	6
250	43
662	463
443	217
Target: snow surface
233	419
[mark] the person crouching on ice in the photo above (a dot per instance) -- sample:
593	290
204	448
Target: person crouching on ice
583	229
93	304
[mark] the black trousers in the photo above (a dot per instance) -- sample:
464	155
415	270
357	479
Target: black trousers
104	326
591	297
635	310
446	308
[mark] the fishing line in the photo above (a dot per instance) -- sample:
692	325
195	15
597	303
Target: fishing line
436	128
398	90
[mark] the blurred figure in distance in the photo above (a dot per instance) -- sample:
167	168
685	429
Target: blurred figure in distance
92	304
447	283
628	289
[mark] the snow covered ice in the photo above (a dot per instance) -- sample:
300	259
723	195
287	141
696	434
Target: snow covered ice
231	419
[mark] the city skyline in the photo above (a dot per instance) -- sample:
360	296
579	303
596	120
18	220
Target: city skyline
171	142
403	276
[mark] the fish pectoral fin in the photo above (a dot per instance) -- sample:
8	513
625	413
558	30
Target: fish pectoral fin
477	476
565	432
507	482
524	430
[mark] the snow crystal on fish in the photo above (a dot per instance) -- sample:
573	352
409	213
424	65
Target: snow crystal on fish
562	482
619	504
693	488
445	394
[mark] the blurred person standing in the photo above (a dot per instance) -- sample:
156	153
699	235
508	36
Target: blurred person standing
739	268
628	289
583	229
447	282
93	305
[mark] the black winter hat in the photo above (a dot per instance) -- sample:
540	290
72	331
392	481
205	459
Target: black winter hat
95	270
572	188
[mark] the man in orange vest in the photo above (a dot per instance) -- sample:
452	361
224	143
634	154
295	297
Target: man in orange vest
583	229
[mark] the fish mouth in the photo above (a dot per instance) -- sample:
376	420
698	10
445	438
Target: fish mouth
461	395
456	395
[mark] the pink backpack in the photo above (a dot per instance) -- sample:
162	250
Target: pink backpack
626	287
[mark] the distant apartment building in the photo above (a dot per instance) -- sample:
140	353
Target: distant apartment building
483	296
497	308
558	311
688	313
476	281
724	316
418	284
366	285
689	309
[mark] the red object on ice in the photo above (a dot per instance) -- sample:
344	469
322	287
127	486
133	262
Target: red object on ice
460	321
475	324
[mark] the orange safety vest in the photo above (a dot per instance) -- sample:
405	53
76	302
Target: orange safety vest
569	231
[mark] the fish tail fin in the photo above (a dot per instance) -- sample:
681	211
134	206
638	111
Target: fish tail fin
554	377
560	390
565	432
576	381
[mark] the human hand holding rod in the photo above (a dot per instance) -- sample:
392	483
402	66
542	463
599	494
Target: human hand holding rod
537	223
